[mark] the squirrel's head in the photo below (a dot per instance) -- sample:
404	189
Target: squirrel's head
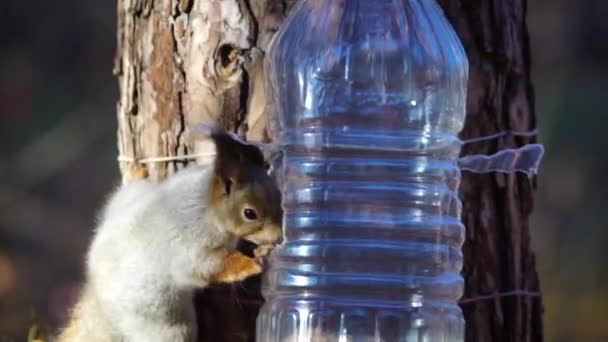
244	193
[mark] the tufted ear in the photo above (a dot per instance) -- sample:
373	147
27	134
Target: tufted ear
233	157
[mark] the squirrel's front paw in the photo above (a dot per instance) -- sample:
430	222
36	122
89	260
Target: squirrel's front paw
237	267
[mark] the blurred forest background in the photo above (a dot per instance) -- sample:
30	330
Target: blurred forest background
58	138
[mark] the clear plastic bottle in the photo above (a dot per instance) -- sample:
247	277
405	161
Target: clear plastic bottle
366	100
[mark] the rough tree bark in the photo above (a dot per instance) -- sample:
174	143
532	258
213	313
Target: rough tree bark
496	207
181	62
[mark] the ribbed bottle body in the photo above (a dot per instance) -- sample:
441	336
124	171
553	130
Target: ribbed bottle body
367	99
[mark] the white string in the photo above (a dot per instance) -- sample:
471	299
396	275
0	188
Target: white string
524	159
165	159
502	134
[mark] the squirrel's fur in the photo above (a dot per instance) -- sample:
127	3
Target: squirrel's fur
158	242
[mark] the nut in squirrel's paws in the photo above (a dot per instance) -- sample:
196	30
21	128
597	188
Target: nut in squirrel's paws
262	251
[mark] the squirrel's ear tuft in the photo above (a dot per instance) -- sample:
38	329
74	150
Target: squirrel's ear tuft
233	157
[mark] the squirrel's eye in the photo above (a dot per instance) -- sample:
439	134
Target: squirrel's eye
250	214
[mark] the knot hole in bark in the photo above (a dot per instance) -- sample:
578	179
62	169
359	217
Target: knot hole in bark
229	58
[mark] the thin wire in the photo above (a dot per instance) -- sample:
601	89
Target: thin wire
165	159
514	293
261	145
502	134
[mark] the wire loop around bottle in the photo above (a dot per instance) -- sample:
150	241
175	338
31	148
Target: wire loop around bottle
525	159
462	301
501	134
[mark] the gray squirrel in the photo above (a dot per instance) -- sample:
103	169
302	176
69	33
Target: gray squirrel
157	242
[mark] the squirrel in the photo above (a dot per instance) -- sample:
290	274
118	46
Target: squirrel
157	242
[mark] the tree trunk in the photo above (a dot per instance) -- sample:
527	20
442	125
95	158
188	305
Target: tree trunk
497	207
181	62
